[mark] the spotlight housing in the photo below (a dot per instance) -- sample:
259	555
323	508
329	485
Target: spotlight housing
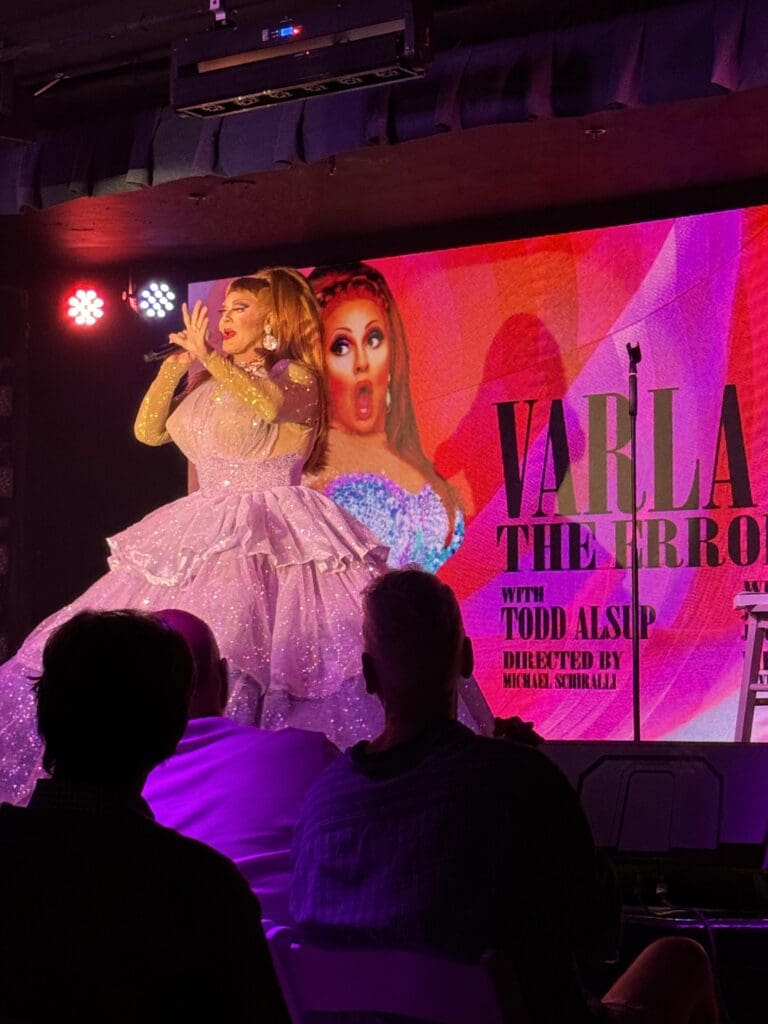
85	307
155	300
324	47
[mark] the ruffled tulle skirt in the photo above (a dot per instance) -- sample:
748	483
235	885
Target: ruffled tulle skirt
277	574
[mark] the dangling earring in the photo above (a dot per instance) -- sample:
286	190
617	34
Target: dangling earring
270	341
388	397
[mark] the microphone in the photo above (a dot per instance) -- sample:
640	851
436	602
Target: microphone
633	351
156	355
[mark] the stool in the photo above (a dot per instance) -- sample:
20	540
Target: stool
753	693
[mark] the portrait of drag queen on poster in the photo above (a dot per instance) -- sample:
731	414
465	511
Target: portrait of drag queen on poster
375	465
275	568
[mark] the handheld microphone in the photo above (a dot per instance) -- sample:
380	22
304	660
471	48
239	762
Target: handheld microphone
156	355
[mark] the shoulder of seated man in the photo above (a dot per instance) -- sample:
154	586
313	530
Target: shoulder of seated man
516	756
197	855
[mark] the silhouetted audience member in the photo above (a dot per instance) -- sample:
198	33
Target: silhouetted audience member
236	787
104	914
431	837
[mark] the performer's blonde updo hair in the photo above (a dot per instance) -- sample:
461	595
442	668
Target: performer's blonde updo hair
297	328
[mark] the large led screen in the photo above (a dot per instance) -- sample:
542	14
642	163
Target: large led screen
479	415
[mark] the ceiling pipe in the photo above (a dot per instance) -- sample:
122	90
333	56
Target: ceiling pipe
123	28
128	63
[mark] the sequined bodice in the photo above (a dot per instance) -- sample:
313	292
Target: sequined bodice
229	445
412	525
249	474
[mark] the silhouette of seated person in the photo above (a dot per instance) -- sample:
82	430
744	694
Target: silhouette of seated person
431	837
237	787
106	915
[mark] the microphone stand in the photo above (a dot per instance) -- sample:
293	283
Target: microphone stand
633	352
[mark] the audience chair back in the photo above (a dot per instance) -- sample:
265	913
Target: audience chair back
417	985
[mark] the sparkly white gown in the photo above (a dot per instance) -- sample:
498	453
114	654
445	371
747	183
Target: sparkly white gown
274	568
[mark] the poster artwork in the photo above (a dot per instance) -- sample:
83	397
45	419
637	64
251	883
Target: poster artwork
479	425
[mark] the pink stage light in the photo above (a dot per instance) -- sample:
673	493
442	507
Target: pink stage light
86	307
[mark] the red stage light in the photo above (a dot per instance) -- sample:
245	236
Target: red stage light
86	307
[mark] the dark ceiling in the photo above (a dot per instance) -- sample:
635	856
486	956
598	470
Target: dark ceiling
485	183
88	56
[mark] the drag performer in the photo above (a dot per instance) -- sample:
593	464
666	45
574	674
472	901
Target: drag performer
275	569
376	467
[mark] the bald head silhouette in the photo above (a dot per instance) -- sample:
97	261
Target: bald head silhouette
415	647
209	697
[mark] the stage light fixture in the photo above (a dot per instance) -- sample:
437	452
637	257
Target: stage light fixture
156	300
86	307
321	48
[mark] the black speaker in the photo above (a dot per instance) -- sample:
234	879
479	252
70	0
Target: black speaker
684	823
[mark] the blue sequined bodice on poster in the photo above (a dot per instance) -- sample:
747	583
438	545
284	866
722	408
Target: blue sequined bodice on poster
412	526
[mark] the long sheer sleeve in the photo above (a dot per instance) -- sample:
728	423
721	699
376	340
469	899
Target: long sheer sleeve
158	404
289	393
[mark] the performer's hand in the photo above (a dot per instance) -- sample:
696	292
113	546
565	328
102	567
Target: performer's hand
194	336
182	357
515	730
